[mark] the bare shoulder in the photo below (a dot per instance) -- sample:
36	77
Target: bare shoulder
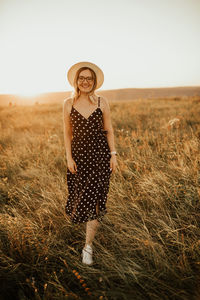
67	104
105	104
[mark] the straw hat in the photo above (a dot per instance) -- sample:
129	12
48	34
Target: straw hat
72	72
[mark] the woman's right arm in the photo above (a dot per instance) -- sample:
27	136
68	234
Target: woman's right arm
68	134
67	128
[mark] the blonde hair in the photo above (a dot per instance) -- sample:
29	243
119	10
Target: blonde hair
76	93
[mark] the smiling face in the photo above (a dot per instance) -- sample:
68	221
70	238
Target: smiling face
85	81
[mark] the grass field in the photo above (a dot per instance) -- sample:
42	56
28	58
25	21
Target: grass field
148	245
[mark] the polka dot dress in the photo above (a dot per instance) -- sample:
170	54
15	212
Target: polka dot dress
88	188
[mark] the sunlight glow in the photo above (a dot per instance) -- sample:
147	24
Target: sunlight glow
28	94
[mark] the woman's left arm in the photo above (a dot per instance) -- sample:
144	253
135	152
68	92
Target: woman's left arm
110	132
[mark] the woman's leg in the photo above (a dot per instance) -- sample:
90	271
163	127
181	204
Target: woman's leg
91	228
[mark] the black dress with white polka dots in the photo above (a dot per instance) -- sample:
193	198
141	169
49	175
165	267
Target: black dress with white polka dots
88	188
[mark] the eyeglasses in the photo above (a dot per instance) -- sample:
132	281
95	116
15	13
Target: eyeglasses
89	79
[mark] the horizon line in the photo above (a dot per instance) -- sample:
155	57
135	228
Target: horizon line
67	91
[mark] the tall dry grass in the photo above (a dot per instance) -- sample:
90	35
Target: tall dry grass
148	245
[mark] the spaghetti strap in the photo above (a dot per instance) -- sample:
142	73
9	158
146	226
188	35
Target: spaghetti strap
71	108
72	104
98	101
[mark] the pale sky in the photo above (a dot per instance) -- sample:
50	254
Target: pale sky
137	43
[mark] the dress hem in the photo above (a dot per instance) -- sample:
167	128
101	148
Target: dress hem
97	217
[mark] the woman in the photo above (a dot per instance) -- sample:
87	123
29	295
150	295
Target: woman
90	150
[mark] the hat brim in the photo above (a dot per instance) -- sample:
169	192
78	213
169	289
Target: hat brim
72	72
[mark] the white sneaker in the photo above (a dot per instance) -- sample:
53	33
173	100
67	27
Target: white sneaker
87	255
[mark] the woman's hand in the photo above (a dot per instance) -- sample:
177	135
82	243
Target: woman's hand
113	163
71	164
